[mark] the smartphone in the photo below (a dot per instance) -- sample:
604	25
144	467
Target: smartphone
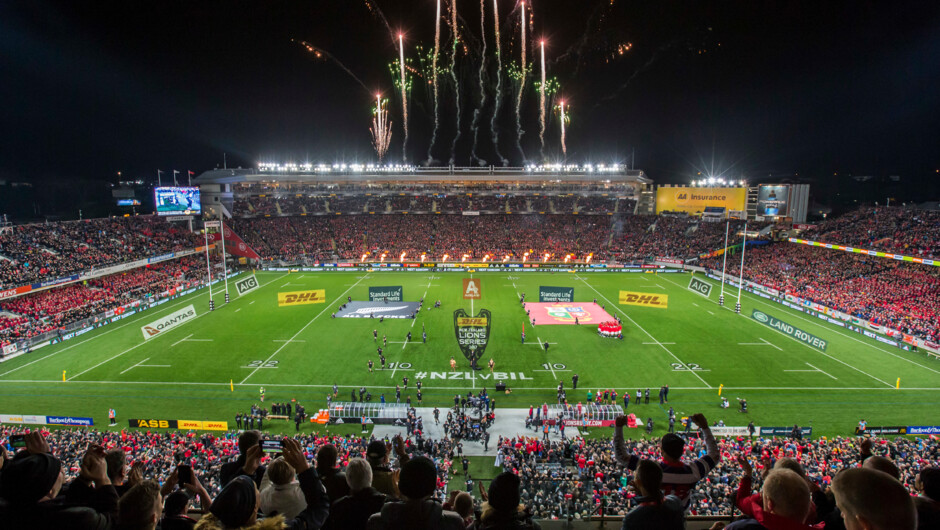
272	446
184	473
17	441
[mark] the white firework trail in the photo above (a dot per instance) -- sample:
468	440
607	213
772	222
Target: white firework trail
476	113
542	104
453	74
564	149
404	98
381	129
519	131
437	50
494	129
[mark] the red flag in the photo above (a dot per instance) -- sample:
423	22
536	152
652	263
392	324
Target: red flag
234	245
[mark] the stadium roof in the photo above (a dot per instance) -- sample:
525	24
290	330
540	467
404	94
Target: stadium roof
389	174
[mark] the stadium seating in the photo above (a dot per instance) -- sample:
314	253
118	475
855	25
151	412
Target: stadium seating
574	479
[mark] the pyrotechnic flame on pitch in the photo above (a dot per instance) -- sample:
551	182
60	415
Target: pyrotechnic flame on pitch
474	126
404	98
494	129
453	74
437	50
381	129
320	53
524	72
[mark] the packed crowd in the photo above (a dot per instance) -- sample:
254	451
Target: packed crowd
901	296
312	481
287	204
54	250
892	229
31	315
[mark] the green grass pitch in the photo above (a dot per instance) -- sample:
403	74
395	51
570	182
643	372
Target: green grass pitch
299	352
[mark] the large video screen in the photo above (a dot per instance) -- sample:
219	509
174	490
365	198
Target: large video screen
177	201
772	200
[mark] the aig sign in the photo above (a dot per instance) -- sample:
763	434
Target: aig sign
701	287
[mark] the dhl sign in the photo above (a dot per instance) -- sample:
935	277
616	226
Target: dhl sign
644	299
316	296
471	321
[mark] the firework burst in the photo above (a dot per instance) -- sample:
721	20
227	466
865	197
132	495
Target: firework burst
437	51
404	98
381	128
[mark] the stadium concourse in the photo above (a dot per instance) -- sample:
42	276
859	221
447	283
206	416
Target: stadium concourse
72	478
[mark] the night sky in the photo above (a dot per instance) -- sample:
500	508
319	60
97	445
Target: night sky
796	89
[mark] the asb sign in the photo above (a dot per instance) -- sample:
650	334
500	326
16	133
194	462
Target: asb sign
556	294
644	299
168	322
695	200
316	296
385	294
471	289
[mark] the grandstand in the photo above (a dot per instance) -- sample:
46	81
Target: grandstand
75	298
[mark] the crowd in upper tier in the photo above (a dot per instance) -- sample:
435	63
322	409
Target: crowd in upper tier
86	479
898	230
902	296
55	308
287	204
54	250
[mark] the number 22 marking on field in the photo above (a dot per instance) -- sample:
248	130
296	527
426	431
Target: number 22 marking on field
689	366
263	364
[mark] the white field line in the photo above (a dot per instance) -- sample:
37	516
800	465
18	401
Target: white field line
135	366
199	340
182	339
693	303
644	331
288	340
710	313
768	342
550	365
811	366
694	388
658	343
156	365
833	330
325	308
237	310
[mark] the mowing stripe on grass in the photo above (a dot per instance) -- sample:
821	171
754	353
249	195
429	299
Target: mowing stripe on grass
134	319
332	304
644	331
519	389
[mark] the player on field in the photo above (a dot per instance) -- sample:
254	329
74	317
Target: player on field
492	364
382	360
375	335
385	340
262	394
370	366
453	364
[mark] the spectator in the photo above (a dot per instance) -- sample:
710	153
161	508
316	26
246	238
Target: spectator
656	511
30	484
873	500
383	479
928	502
237	504
502	510
463	505
678	478
175	513
333	478
140	507
785	503
353	511
417	482
280	491
248	447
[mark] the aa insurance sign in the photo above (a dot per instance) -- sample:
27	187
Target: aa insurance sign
246	285
471	289
701	287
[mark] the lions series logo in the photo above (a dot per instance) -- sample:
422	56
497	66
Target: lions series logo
568	313
473	334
